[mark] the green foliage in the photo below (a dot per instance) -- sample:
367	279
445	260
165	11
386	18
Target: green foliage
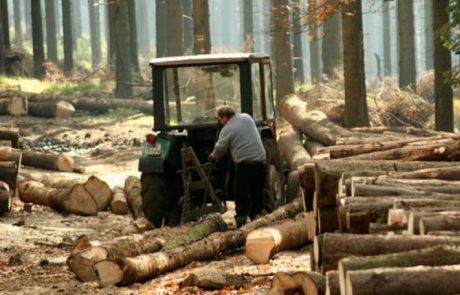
302	87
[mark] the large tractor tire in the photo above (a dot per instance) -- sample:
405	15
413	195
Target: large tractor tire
292	186
274	185
158	202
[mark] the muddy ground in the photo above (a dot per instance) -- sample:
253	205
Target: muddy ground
35	242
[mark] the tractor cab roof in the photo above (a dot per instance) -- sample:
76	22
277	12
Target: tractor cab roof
207	59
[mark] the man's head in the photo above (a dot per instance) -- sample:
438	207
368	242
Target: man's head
224	114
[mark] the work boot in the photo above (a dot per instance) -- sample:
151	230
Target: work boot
240	221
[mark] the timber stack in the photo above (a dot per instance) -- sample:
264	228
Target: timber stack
386	202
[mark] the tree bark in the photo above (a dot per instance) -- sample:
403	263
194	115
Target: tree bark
133	193
414	216
14	106
407	72
290	146
439	223
77	200
9	173
332	283
411	280
338	246
119	204
128	270
50	109
11	134
5	198
332	42
51	34
444	173
68	39
263	243
124	87
50	161
306	282
201	31
37	39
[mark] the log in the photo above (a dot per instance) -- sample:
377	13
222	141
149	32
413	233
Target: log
133	192
100	191
297	282
381	228
360	215
263	243
414	215
328	173
445	222
124	271
431	256
314	124
49	161
11	134
290	146
5	198
411	280
328	220
82	259
101	105
9	173
119	204
332	283
379	190
76	200
14	106
338	246
420	203
61	183
314	148
445	173
51	109
444	233
403	130
212	278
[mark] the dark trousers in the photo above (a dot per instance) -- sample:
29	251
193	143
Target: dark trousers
249	188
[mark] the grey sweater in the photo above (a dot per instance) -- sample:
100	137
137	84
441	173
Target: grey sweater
241	138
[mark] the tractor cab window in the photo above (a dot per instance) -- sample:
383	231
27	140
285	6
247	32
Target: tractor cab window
193	93
256	93
269	92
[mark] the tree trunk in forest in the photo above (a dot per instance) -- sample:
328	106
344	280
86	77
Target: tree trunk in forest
77	200
119	204
187	6
201	31
124	271
95	32
407	72
17	22
386	39
338	246
314	124
263	243
356	113
248	26
124	88
449	172
444	103
306	282
284	79
82	260
112	35
2	50
161	25
314	45
133	40
433	256
68	35
5	23
76	23
50	109
175	38
297	32
429	34
37	39
51	34
14	106
417	279
5	198
332	42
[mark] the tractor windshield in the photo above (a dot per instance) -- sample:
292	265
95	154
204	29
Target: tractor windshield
192	93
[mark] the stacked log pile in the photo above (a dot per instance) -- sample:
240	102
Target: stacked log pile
386	203
9	167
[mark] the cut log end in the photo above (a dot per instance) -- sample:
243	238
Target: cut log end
108	273
82	263
65	163
300	282
79	201
260	245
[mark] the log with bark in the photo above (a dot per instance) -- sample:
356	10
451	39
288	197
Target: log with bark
119	204
414	216
124	271
314	124
49	161
5	198
290	146
332	283
431	256
85	254
11	134
316	150
133	189
100	191
51	109
410	280
298	282
76	200
381	228
213	278
101	105
338	246
444	222
445	173
14	106
9	172
263	243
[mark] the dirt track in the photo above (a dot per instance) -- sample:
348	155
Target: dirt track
35	243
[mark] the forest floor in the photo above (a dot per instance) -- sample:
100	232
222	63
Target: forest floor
35	242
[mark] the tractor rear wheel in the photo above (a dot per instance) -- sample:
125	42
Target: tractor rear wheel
274	184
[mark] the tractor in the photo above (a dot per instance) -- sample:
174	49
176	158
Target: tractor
179	183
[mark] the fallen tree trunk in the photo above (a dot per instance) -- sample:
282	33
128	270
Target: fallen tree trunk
410	280
305	282
445	173
432	256
133	189
76	200
14	106
290	146
5	198
11	134
124	271
314	124
51	109
49	161
263	243
88	103
81	261
338	246
119	204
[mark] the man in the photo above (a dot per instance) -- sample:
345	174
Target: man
239	135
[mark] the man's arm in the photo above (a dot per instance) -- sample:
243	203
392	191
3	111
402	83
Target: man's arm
222	145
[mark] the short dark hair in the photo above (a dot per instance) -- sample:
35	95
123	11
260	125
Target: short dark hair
226	111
